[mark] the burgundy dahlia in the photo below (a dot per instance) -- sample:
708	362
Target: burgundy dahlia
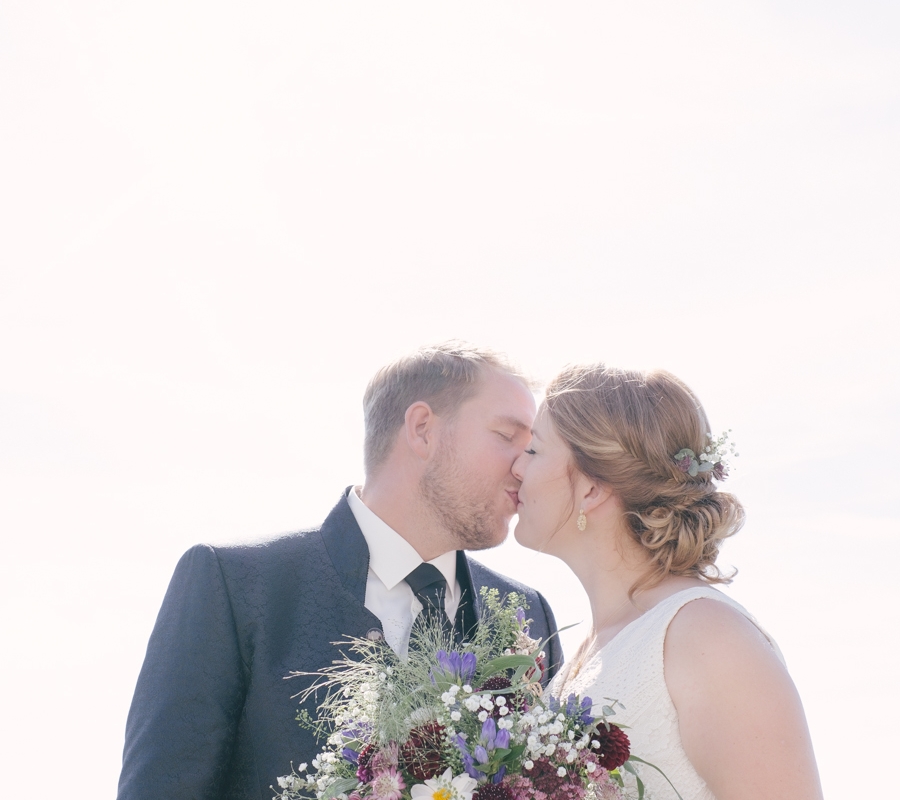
611	746
493	791
423	753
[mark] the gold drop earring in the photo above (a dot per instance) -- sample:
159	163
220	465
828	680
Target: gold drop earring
581	524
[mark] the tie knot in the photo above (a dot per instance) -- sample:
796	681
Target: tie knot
426	576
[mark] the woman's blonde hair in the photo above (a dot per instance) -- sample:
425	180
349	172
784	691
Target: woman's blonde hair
624	428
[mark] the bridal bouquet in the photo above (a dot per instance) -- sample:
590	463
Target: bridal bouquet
466	723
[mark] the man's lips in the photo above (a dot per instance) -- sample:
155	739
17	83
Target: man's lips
514	496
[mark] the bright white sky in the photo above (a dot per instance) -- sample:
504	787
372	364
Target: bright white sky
218	219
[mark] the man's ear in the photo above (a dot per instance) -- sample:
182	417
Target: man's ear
593	494
420	429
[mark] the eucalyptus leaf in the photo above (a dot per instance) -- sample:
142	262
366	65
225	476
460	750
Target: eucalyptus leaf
340	786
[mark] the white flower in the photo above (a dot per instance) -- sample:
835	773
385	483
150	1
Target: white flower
482	716
561	771
467	689
445	787
455	716
590	766
528	764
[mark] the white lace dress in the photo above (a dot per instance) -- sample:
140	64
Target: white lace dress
629	668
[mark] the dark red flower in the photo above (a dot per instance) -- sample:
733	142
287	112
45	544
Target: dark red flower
423	753
363	765
544	778
493	791
611	746
496	683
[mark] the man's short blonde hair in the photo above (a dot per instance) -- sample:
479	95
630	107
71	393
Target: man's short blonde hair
443	375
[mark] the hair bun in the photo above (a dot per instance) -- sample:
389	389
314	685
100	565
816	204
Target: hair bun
684	534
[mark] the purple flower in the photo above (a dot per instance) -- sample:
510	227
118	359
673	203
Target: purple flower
522	619
720	472
586	705
492	738
454	666
351	755
468	762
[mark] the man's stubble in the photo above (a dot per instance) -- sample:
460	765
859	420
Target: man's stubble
460	504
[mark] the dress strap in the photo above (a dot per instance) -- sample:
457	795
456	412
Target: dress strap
668	608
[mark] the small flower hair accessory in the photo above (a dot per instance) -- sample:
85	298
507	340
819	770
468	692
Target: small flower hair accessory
713	458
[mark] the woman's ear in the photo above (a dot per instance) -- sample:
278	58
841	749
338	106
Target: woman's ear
593	494
420	429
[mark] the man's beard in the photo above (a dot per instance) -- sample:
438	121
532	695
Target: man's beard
460	504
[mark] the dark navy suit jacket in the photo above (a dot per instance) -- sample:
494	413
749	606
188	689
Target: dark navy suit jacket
212	715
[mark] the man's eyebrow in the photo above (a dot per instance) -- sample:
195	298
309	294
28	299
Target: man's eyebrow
515	422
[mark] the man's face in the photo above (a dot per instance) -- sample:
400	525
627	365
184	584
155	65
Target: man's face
469	484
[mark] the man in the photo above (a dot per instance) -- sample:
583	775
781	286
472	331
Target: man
212	716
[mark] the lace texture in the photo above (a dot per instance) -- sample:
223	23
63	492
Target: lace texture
629	668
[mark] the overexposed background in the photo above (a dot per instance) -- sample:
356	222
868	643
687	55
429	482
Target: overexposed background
218	219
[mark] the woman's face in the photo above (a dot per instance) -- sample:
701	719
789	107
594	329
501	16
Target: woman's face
546	496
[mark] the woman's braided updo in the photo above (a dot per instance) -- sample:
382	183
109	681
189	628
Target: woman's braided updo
624	428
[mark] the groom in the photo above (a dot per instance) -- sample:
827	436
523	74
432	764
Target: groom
212	716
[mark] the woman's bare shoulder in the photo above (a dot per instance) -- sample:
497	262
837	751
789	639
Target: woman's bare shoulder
709	639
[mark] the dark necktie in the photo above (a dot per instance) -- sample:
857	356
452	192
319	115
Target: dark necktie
430	587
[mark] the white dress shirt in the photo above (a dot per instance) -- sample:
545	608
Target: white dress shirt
391	558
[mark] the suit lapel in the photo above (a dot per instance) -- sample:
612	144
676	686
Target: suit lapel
349	554
468	613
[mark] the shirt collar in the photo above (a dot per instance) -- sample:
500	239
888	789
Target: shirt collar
391	557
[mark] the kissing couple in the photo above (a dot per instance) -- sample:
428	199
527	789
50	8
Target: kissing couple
616	473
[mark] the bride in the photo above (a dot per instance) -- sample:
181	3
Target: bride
620	483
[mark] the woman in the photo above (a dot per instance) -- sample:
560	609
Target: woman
619	484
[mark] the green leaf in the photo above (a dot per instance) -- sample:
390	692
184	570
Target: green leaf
641	761
503	663
515	752
340	786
